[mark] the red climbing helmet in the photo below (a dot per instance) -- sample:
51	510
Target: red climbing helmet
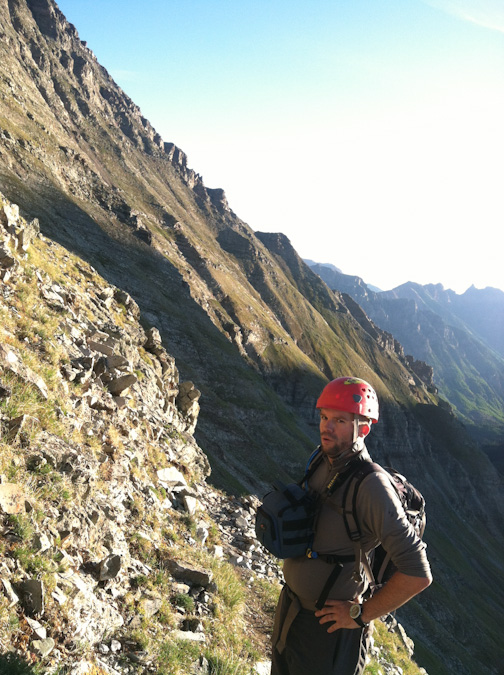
352	395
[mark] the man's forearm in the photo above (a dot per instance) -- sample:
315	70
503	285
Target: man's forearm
397	591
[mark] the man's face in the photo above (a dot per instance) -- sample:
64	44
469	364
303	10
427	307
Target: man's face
336	431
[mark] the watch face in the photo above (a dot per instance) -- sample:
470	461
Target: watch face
355	611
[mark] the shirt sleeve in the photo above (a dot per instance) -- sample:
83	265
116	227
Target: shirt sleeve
382	520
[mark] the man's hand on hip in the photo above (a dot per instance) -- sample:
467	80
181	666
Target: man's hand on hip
337	612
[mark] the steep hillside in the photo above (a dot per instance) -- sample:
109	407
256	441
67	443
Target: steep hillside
247	322
116	556
111	552
77	154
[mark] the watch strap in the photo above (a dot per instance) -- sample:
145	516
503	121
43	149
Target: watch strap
361	623
358	619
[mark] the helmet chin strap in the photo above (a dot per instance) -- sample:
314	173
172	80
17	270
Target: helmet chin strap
355	429
358	441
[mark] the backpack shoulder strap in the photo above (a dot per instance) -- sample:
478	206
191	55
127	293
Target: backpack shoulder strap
311	465
351	520
350	517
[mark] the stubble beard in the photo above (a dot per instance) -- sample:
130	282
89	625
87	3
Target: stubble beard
335	448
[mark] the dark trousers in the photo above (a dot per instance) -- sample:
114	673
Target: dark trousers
310	650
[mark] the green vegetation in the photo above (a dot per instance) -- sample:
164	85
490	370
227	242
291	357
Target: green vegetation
392	651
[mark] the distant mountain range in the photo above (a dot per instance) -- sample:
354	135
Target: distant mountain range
460	336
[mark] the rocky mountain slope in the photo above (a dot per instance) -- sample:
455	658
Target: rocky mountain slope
255	330
459	336
78	155
116	555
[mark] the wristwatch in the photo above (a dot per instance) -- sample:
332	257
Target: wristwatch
355	614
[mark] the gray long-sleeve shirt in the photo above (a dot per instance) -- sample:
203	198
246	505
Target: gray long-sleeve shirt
382	520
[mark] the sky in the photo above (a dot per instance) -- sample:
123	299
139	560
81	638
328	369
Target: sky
369	132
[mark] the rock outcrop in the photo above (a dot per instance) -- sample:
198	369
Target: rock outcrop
118	444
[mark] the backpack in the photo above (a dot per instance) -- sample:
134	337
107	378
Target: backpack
286	520
413	502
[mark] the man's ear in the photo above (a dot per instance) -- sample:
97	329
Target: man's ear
364	430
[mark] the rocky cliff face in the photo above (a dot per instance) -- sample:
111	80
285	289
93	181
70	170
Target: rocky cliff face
254	330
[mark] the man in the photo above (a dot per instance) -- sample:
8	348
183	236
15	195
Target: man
328	641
